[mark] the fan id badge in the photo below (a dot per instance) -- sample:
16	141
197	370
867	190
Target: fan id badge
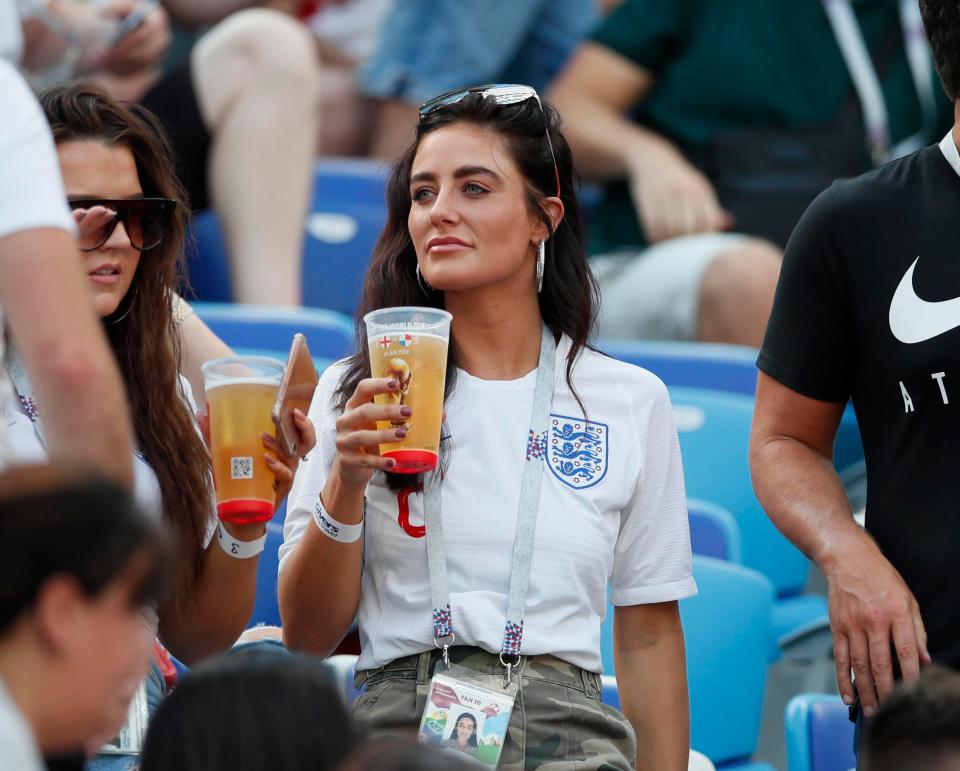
468	714
469	711
129	740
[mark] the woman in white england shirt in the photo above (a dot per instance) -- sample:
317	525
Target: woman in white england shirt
470	203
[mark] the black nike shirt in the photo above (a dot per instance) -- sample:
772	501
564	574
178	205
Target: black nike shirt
868	309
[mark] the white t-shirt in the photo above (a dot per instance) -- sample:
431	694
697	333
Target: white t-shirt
18	746
31	190
25	446
619	516
11	34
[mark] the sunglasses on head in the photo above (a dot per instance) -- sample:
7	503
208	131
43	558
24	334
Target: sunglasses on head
145	221
500	93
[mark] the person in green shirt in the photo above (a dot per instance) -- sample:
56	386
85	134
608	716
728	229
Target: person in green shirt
683	108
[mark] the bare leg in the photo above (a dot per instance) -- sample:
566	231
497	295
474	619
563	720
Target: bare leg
347	115
736	294
257	81
396	122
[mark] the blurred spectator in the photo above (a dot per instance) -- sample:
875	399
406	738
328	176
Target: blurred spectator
63	349
78	563
242	115
347	33
866	310
430	46
250	710
713	125
918	727
399	755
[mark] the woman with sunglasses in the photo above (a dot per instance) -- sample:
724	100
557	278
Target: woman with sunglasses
483	221
119	179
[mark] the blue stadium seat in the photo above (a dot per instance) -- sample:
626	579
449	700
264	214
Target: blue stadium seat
717	367
727	631
714	435
695	365
269	330
819	734
266	608
346	215
713	531
342	667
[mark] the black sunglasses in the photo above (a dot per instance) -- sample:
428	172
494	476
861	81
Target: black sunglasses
501	93
144	219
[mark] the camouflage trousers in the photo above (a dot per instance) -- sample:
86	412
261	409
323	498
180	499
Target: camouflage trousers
559	722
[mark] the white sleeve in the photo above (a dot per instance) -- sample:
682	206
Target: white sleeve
31	190
312	473
652	560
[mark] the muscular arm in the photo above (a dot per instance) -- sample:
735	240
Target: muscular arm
652	678
594	93
65	353
670	196
791	463
791	449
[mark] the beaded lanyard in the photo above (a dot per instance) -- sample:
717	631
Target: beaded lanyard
443	634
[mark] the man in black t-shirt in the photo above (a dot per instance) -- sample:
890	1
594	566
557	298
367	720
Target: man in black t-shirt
868	309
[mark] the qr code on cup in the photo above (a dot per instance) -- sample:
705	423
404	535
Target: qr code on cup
241	468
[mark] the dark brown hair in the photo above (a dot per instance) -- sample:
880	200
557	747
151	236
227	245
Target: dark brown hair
568	301
69	522
941	19
142	331
917	726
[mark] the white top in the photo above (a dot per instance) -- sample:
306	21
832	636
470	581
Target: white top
11	34
25	446
949	149
622	520
31	190
18	747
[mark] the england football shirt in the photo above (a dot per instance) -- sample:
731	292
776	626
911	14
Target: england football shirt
612	511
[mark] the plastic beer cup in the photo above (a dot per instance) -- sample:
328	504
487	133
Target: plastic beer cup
410	345
240	394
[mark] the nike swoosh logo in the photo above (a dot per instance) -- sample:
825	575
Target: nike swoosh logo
913	320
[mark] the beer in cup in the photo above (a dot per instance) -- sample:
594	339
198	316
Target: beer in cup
240	395
410	346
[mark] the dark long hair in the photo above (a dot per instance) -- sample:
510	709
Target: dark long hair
56	522
569	298
472	741
248	710
142	332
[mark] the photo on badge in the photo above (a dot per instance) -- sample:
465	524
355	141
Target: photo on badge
466	718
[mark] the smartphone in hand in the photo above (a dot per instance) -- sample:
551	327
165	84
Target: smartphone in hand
296	392
134	19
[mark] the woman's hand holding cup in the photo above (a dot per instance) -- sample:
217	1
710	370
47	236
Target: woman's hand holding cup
358	438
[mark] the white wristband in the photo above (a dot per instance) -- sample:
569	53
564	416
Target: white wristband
336	531
239	550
